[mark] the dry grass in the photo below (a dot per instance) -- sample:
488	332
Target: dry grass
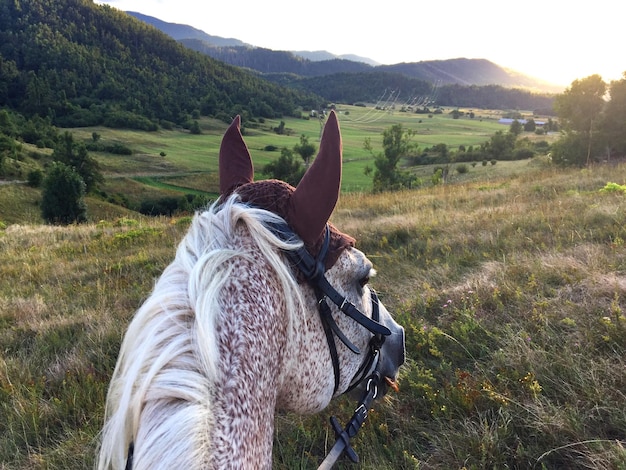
512	292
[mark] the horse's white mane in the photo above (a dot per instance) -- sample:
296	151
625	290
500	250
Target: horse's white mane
168	359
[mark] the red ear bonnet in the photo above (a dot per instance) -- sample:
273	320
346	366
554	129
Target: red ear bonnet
306	208
235	162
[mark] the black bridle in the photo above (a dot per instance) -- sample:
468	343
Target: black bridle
312	268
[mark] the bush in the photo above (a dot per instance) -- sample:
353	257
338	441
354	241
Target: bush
195	128
34	178
116	148
125	119
63	197
462	168
163	206
523	154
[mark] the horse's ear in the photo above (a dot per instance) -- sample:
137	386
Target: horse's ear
235	161
315	198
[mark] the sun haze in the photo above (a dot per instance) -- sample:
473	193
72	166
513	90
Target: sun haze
557	41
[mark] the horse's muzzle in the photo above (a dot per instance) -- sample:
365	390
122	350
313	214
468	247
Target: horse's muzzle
392	353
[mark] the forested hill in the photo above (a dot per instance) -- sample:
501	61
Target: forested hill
84	64
269	61
386	88
455	82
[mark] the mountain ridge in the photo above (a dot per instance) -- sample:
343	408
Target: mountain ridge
459	71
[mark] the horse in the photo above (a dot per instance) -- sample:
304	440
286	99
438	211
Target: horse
265	307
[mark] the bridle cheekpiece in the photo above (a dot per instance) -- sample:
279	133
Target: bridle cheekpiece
313	269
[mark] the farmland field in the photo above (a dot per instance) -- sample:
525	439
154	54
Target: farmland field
187	154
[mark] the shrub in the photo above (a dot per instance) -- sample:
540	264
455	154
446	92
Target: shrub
34	178
195	128
163	206
125	119
523	154
614	188
63	197
462	168
437	177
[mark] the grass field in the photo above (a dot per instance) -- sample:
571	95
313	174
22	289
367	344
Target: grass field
186	153
512	290
510	282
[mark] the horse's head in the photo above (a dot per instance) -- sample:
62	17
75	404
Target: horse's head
271	312
355	334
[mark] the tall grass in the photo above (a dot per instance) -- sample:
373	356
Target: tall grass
512	291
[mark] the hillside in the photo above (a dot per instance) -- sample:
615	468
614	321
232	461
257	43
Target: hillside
183	31
268	61
390	88
77	64
464	71
459	71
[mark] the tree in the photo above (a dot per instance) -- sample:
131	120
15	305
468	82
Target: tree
75	154
442	150
569	150
280	129
195	128
285	168
63	196
530	125
579	109
396	145
612	124
515	128
305	149
7	126
500	146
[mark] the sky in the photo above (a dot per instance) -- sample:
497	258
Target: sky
558	41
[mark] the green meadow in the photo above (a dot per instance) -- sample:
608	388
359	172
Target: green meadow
510	281
187	155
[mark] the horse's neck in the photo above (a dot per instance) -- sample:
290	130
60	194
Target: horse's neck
251	335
